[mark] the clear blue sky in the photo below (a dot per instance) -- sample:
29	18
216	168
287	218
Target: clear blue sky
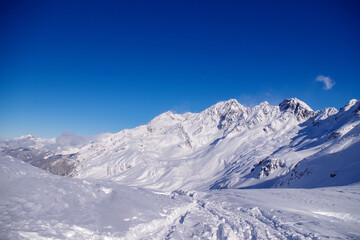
102	66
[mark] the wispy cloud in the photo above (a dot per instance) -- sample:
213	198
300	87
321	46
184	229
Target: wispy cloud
328	82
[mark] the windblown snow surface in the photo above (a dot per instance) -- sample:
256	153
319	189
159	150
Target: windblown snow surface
229	172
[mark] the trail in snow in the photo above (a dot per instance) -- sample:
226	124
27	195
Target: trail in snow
219	215
37	205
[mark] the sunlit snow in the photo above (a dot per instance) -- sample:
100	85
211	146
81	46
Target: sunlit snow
228	172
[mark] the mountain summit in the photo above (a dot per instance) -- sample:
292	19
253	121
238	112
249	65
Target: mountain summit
300	109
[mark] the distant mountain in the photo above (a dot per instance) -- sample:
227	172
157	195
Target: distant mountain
225	146
56	155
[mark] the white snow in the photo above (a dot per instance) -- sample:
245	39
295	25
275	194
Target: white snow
37	205
275	172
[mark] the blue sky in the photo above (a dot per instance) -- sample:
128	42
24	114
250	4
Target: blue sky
102	66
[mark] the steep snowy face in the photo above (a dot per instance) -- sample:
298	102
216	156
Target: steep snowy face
300	109
328	150
325	113
225	146
182	150
350	104
222	109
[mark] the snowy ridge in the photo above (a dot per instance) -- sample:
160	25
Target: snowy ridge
224	146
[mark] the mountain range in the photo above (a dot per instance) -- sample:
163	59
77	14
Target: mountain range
228	172
225	146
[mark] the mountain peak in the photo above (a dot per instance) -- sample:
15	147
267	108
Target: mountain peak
29	137
349	105
166	116
265	103
231	104
232	101
297	107
225	107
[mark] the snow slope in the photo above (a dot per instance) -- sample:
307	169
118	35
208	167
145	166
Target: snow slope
225	146
37	205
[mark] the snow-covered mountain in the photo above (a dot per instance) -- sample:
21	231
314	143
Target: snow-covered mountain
193	175
56	155
179	177
228	146
225	146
